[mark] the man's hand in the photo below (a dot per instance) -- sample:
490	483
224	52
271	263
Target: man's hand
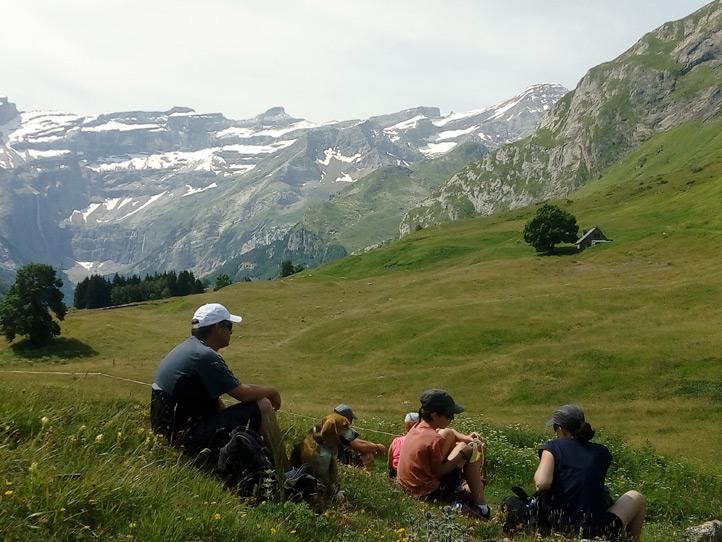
275	398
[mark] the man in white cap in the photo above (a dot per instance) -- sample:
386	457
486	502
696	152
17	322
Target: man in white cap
185	401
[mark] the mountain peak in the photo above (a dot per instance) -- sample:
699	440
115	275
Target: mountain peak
274	115
7	110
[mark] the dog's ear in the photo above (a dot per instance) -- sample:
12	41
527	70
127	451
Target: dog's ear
329	431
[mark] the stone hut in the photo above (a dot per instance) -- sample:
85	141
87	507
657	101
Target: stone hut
592	237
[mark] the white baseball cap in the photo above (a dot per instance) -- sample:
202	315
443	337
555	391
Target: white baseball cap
411	417
212	313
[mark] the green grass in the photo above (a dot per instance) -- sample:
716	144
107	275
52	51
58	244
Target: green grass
629	330
77	467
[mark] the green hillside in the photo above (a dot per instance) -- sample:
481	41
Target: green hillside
369	211
629	330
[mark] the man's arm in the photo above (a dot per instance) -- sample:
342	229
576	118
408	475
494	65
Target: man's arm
253	392
366	447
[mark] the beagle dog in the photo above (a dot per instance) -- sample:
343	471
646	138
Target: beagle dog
319	448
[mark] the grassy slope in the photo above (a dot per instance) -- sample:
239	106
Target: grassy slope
629	330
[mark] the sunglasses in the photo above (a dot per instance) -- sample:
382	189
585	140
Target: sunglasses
226	324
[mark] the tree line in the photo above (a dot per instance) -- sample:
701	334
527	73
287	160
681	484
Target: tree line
96	291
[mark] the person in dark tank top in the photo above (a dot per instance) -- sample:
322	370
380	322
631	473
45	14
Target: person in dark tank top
572	470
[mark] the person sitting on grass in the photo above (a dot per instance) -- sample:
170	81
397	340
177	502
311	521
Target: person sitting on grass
358	452
572	470
439	464
411	419
185	404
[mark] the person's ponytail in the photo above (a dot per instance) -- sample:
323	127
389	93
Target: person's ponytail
584	433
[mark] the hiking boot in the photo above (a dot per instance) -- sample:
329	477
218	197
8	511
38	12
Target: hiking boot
473	511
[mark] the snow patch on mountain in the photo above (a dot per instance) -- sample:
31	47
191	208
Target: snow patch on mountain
38	126
190	190
150	201
235	131
202	160
259	149
123	127
435	149
458	116
344	178
333	152
35	154
450	134
405	124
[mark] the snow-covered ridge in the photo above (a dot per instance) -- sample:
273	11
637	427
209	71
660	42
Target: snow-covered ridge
38	126
122	127
247	133
201	160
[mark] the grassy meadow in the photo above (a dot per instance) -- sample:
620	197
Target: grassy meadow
629	330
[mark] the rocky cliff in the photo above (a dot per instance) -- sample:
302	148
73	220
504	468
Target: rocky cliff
672	75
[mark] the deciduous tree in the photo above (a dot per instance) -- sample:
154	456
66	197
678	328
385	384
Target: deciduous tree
550	226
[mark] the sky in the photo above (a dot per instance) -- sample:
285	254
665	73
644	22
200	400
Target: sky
320	59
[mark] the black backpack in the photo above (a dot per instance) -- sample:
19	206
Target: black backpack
527	514
245	464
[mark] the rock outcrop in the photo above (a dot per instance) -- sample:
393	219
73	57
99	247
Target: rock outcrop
672	75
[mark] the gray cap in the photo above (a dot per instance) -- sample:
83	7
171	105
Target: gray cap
570	417
435	400
345	411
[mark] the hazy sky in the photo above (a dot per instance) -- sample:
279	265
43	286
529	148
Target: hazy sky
321	59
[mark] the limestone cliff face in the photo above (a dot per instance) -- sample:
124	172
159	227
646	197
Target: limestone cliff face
670	76
144	191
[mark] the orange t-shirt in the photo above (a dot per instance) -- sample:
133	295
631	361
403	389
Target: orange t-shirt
414	473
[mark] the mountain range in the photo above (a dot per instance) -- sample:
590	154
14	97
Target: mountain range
671	76
145	191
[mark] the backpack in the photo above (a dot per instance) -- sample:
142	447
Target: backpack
245	464
525	514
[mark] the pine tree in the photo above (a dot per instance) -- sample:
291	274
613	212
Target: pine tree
26	309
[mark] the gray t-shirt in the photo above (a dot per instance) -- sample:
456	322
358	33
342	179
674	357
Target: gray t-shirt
195	376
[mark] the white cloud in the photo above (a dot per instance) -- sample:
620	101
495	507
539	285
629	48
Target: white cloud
321	59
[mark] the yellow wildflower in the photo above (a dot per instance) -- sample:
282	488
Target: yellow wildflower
44	420
9	493
99	438
132	525
216	516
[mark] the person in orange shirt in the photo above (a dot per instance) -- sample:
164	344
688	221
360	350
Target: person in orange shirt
438	463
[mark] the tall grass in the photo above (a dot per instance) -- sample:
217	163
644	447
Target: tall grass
77	468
